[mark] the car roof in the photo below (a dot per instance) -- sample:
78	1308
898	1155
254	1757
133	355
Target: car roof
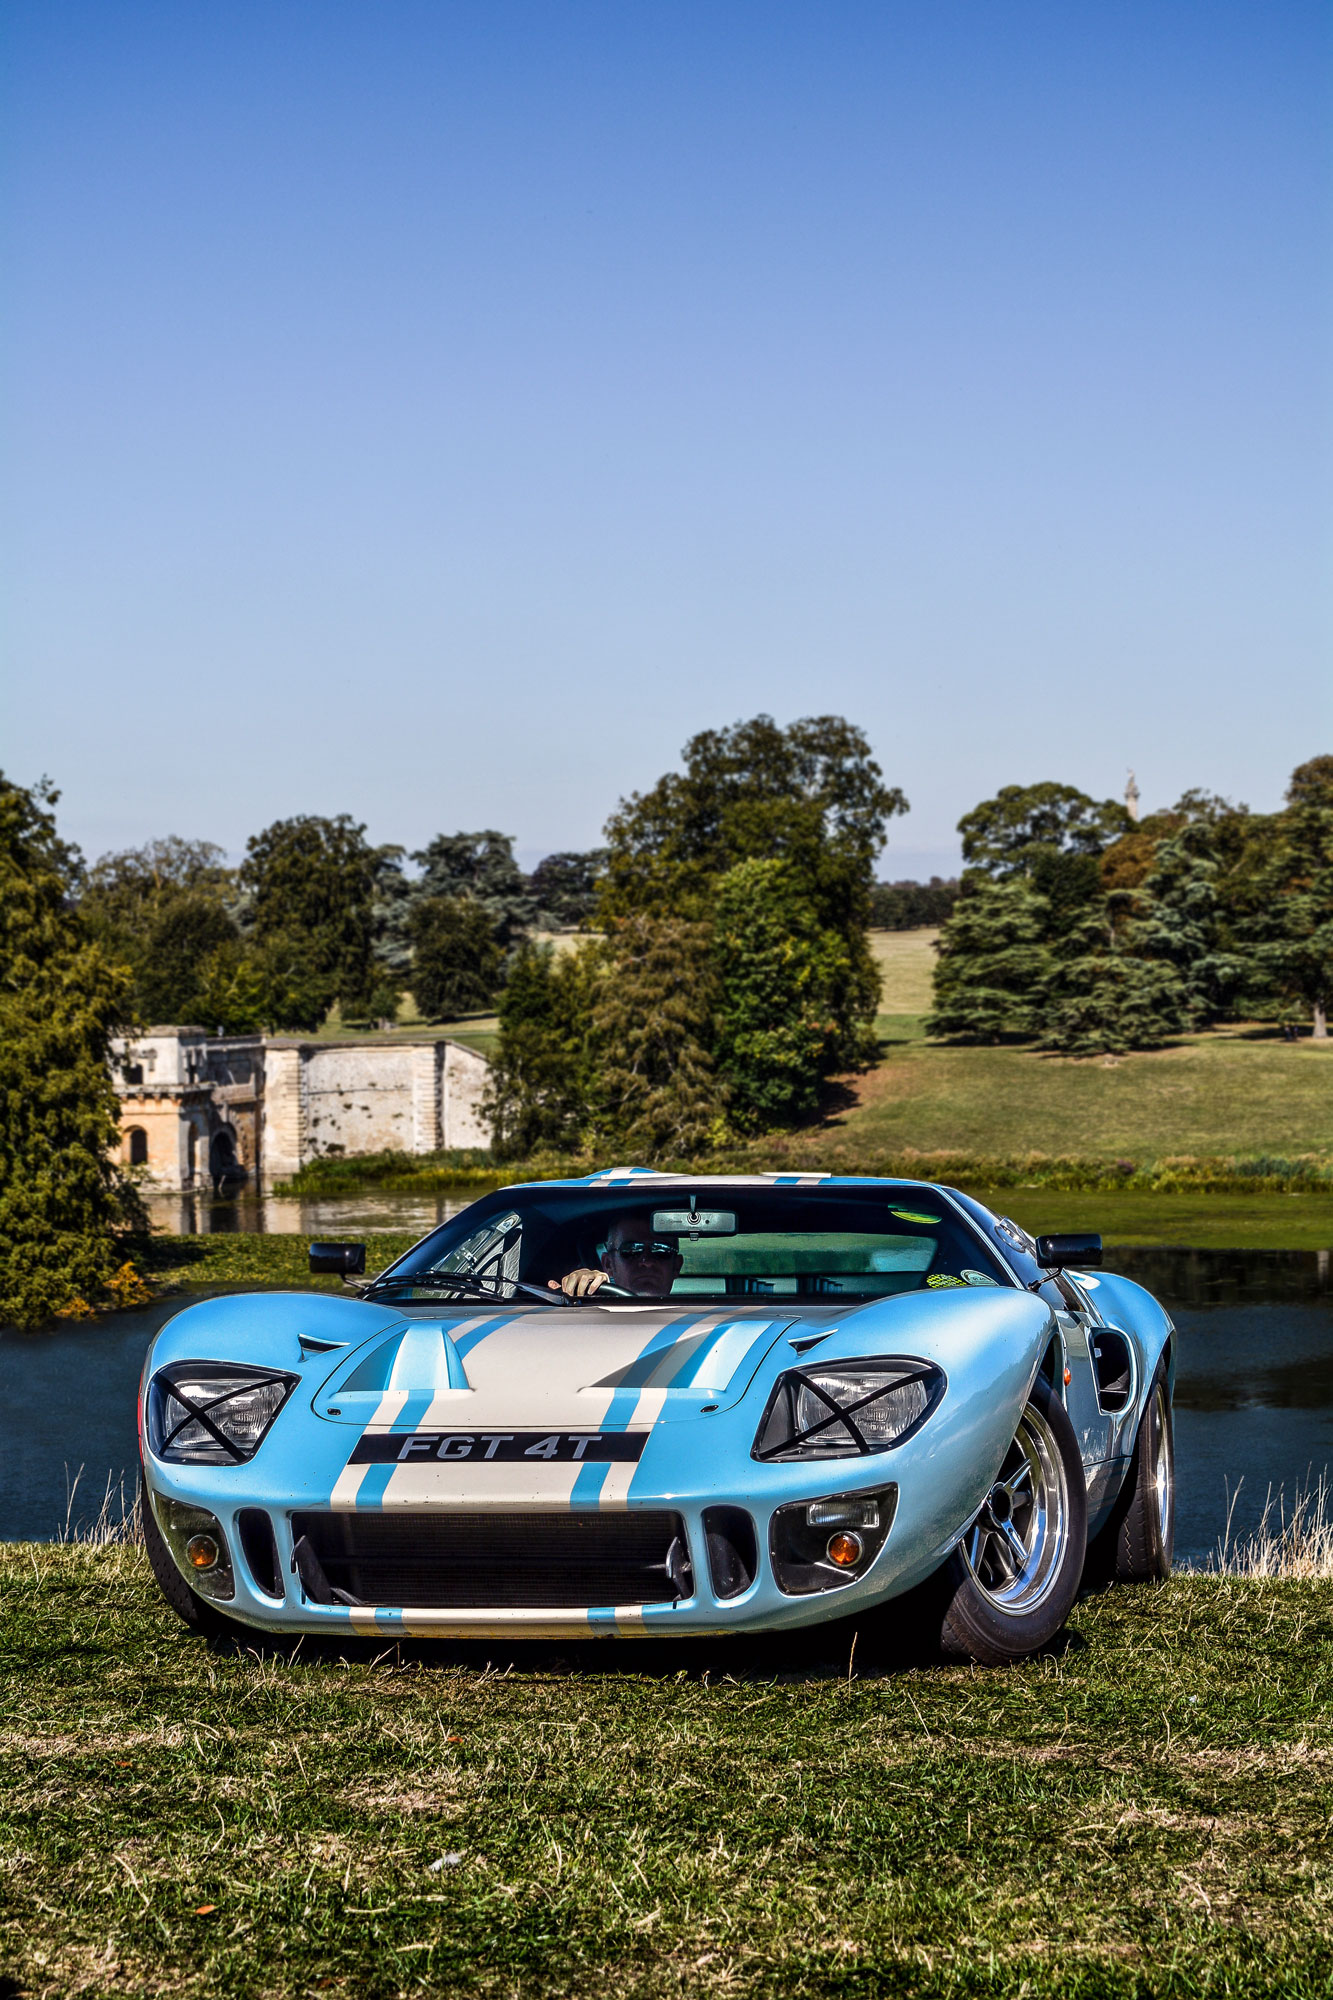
624	1177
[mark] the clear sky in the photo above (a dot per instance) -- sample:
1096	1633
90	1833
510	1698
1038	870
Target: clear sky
439	411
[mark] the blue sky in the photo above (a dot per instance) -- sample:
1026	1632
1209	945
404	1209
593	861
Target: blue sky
439	412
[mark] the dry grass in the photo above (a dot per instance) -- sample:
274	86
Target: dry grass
1294	1539
117	1519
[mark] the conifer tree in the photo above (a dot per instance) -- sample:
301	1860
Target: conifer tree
777	975
653	1027
1289	927
64	1209
1177	919
994	963
1108	1002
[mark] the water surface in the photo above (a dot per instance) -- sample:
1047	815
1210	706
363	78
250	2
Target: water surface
1254	1387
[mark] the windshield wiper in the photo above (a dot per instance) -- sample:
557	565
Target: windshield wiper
439	1281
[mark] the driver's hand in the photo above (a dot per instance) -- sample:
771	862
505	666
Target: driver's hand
579	1284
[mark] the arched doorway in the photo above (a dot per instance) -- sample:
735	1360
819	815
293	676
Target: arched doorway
223	1165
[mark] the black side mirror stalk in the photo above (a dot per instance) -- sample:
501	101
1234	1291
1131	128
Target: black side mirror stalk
1054	1253
338	1260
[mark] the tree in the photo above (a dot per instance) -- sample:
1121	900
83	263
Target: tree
176	971
391	937
994	963
911	906
162	910
1002	835
1289	926
810	795
1107	1002
777	972
1312	783
311	884
563	888
1178	920
456	962
482	866
1031	905
543	1085
653	1030
63	1206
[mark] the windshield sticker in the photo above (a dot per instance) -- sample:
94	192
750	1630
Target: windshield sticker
910	1215
938	1281
978	1278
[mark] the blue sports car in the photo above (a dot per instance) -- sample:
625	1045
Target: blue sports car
651	1404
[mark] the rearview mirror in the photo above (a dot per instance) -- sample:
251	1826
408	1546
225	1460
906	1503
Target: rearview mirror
1055	1252
694	1222
338	1260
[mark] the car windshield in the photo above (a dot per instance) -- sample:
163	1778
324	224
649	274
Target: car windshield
700	1242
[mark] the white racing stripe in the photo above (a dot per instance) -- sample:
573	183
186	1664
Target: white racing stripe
348	1483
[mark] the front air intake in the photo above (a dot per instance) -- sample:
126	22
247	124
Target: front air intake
470	1561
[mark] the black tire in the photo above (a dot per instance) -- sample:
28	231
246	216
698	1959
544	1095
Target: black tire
191	1609
1137	1542
1010	1584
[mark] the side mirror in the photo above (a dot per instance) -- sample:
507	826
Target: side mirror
1055	1252
338	1260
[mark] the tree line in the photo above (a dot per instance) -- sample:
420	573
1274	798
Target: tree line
1087	932
725	972
315	916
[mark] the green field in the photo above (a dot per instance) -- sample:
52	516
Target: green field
1234	1091
1144	1812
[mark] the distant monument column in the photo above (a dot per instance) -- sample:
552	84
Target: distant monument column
1132	798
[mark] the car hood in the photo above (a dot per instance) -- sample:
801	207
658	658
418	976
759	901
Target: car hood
570	1366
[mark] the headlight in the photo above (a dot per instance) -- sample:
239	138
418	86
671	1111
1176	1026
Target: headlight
212	1412
848	1410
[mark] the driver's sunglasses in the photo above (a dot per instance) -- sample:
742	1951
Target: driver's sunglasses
654	1248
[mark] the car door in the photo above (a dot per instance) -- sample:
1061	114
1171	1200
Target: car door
1093	1425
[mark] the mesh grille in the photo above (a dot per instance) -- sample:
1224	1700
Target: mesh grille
487	1561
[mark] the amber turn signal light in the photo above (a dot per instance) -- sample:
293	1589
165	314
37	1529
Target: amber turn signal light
846	1550
202	1552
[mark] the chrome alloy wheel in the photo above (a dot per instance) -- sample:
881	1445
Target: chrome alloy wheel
1014	1547
1163	1463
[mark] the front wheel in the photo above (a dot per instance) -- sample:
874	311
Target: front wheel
1011	1582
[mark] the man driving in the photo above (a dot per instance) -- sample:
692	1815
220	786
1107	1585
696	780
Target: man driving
635	1259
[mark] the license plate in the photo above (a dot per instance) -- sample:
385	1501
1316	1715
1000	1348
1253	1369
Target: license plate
499	1447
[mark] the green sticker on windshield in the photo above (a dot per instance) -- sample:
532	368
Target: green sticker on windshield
910	1215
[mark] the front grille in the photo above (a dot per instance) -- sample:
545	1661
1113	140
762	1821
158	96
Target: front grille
488	1561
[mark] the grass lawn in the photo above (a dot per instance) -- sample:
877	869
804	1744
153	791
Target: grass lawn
1194	1221
906	960
1216	1094
177	1262
1144	1812
476	1031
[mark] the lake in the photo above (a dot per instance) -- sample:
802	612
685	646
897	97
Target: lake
1254	1388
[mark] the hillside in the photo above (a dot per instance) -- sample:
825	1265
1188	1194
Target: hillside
1234	1090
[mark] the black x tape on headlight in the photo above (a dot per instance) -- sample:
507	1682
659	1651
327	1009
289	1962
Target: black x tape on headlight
848	1410
213	1412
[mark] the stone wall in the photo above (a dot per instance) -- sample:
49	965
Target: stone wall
192	1103
351	1098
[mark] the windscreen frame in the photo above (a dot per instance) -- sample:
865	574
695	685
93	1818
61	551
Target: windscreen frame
545	1200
